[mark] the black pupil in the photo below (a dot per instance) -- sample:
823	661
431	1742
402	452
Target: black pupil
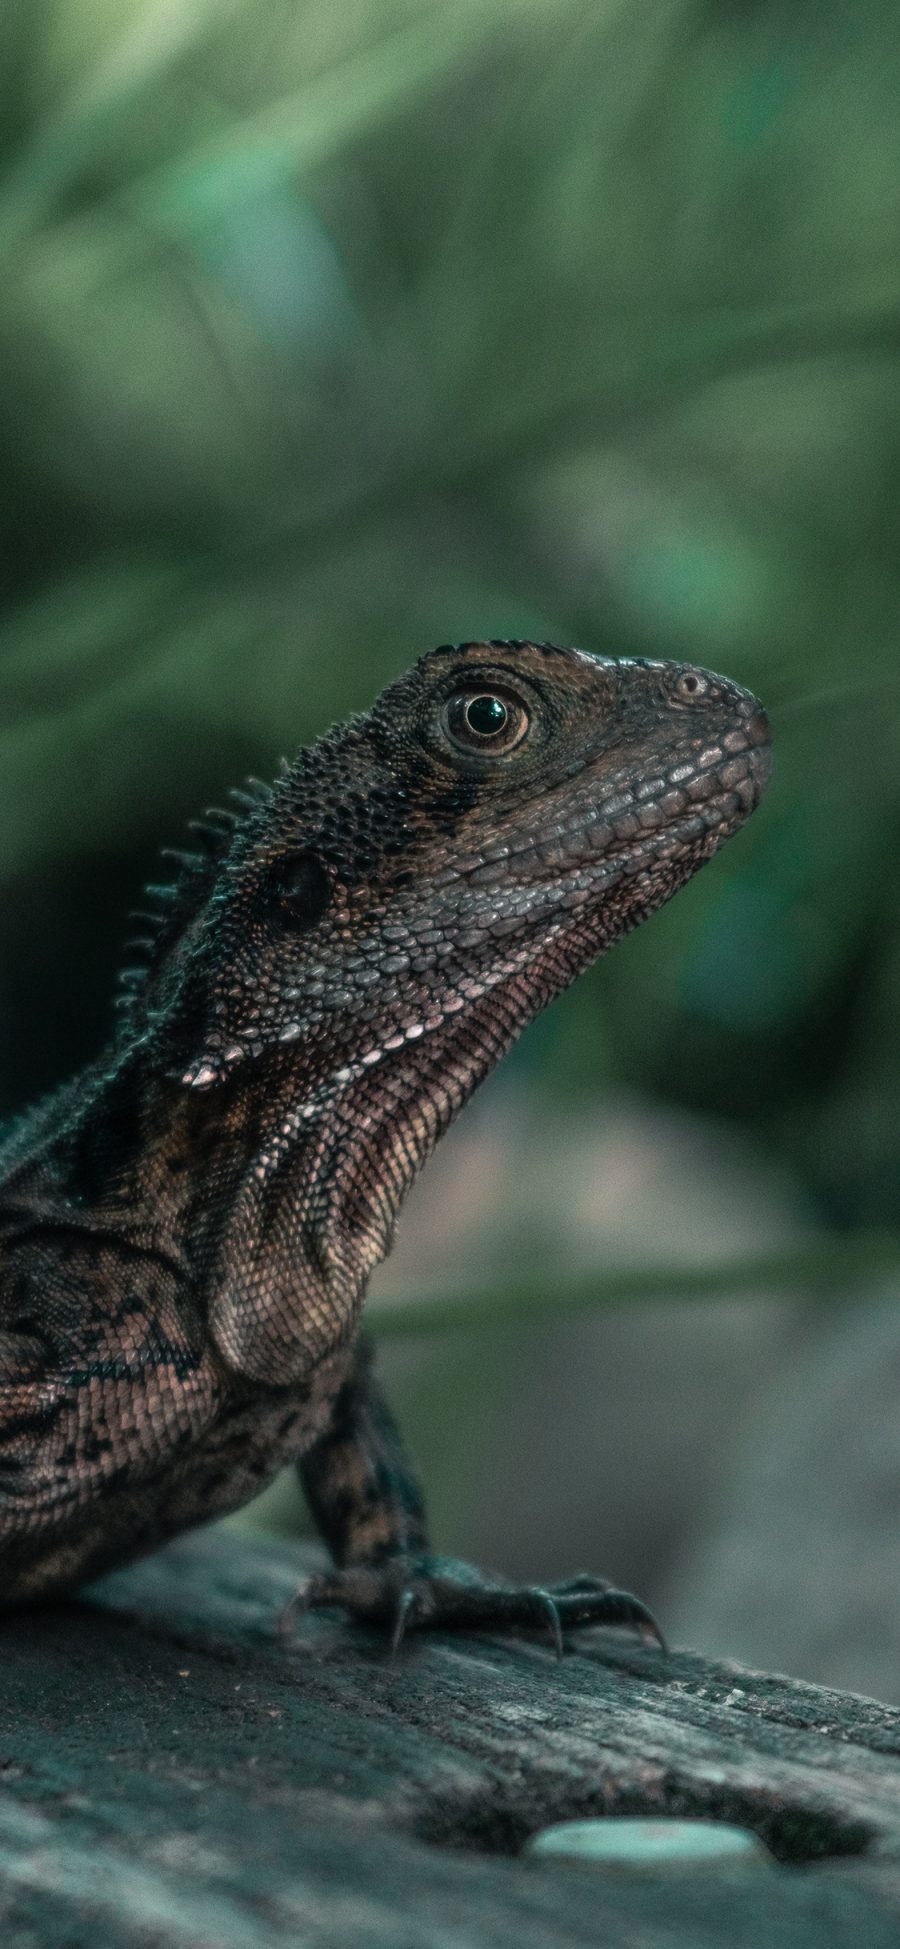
486	716
303	888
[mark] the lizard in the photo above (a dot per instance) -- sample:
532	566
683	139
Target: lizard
187	1228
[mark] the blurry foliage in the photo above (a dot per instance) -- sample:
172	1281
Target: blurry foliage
328	333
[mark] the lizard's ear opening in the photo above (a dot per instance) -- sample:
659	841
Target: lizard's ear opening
300	889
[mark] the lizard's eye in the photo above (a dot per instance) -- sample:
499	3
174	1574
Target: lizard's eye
484	720
301	888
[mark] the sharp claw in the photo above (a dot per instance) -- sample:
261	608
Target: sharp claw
648	1628
288	1612
311	1594
638	1615
406	1605
582	1601
552	1616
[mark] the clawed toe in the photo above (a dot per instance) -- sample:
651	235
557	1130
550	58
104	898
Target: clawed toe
551	1613
587	1600
327	1590
410	1594
409	1611
304	1599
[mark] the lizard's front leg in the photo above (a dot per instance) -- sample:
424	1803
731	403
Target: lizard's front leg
366	1502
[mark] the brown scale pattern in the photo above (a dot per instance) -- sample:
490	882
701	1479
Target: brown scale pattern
187	1230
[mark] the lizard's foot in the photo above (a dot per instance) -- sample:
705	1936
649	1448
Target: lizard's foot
412	1593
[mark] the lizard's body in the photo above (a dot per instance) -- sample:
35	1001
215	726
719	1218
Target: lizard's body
187	1230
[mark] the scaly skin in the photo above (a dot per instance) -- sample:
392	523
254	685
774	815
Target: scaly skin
187	1229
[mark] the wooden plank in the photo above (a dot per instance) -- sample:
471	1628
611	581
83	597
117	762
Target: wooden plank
172	1772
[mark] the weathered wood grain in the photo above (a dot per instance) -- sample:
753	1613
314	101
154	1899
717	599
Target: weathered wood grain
172	1772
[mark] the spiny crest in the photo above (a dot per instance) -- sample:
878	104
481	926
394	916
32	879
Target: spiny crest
172	903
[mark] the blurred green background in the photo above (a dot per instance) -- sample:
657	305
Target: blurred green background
331	332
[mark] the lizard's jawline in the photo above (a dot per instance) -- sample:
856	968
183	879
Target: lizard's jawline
641	854
337	1086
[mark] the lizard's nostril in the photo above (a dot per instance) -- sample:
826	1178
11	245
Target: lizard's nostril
758	727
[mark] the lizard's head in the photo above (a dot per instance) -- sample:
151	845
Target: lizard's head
503	814
366	940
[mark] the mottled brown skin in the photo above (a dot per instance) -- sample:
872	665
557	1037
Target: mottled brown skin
187	1229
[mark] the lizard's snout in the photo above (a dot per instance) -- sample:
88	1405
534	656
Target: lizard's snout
759	729
759	738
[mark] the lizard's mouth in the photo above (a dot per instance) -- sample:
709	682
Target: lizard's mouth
617	838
